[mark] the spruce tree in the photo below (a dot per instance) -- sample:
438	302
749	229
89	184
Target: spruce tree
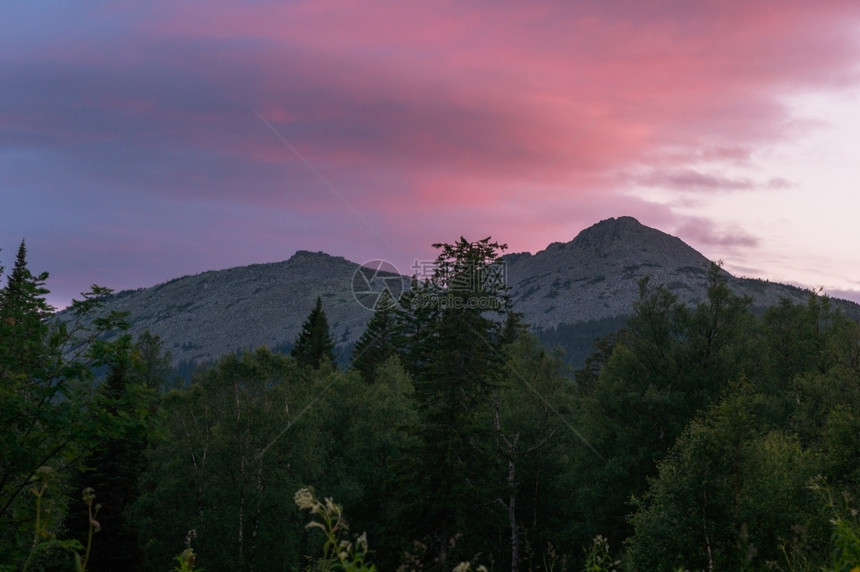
49	415
416	319
314	345
23	290
450	476
380	340
113	467
23	310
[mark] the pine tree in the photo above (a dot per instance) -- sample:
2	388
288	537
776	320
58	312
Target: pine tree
49	415
314	345
456	365
113	468
21	284
23	310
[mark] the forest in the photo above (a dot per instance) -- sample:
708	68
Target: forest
708	438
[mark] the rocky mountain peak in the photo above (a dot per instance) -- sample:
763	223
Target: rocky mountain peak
626	238
612	229
319	257
593	277
596	275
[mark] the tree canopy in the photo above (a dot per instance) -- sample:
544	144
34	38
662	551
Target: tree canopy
706	436
314	345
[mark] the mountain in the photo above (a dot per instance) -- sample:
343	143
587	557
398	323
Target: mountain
596	275
205	316
570	293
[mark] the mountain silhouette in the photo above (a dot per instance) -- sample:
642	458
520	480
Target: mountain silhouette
588	283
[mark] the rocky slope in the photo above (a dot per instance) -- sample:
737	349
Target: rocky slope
593	277
207	315
596	275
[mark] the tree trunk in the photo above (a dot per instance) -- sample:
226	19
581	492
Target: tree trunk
512	513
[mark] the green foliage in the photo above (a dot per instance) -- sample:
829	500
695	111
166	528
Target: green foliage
230	444
531	409
599	559
845	537
113	468
381	340
368	436
688	439
314	346
726	494
46	547
254	426
338	553
669	363
742	466
186	560
50	414
456	365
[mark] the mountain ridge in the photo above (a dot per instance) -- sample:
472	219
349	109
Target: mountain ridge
596	274
593	277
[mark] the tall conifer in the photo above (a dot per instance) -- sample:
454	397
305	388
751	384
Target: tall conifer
450	475
314	345
23	310
380	340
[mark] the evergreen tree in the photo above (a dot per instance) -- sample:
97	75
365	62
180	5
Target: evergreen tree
379	341
416	316
24	291
515	327
23	310
457	364
114	467
314	345
155	363
48	412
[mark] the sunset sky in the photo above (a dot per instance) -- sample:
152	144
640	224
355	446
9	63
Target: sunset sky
142	141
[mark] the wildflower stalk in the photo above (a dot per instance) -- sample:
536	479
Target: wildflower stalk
89	495
38	491
337	554
187	558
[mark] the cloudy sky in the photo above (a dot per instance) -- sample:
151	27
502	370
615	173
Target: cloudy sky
141	141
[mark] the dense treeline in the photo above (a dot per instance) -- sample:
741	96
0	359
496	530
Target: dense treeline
704	437
57	422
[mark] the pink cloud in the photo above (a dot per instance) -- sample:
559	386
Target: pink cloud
703	233
472	93
534	75
446	115
686	179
